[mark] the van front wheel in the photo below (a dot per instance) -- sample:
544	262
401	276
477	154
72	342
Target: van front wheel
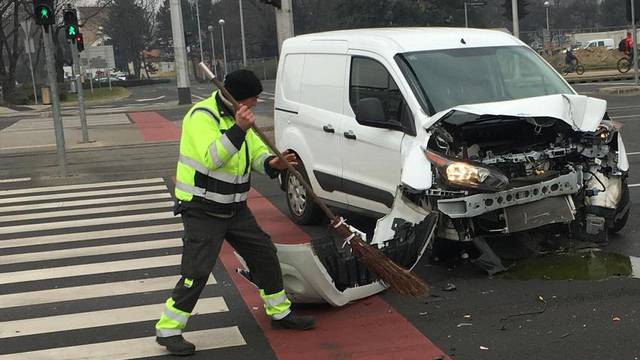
301	207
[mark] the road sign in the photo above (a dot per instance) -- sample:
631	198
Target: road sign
98	52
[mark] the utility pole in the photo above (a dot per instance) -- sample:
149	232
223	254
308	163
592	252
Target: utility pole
195	2
244	46
635	42
466	16
180	53
516	21
55	100
284	22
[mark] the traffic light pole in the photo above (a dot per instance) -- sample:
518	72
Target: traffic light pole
83	116
516	20
180	53
55	101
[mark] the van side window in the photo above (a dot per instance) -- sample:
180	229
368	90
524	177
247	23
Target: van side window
369	79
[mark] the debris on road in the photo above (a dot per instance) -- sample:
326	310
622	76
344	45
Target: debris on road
449	287
464	324
616	318
544	308
484	348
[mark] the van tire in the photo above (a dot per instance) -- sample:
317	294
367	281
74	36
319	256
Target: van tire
301	207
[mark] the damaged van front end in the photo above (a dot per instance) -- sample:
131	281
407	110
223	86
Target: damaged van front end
525	165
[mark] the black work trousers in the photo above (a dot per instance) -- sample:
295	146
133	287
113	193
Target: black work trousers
204	234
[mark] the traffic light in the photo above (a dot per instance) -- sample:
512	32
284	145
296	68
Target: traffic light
276	3
43	12
522	9
71	29
636	5
80	42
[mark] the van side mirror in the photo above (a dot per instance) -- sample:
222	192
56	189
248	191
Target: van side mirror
369	112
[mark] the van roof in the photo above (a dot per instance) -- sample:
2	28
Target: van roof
400	40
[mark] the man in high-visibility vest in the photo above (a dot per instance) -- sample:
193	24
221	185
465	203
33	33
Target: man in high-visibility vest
218	153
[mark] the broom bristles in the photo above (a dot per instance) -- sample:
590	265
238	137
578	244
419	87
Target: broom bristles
399	280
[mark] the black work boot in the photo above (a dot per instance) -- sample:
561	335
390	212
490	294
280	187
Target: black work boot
177	345
294	322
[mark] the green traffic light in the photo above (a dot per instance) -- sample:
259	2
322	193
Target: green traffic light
44	13
72	30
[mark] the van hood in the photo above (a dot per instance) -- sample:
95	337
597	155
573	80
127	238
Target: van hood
582	113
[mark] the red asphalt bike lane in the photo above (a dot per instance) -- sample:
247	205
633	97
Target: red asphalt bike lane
366	329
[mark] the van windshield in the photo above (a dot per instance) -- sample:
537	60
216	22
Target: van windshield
443	79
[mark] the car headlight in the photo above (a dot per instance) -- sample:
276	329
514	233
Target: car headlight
466	174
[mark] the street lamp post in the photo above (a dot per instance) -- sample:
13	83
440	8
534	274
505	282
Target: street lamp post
213	51
468	4
244	47
195	2
224	49
546	6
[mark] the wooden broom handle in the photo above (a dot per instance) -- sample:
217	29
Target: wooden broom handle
271	146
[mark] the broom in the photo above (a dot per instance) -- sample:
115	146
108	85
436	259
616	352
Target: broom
398	279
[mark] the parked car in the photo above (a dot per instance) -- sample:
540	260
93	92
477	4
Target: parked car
600	43
456	134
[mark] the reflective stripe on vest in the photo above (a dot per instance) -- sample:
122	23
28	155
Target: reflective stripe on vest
218	175
219	198
258	164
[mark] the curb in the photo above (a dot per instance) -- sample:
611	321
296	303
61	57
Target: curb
620	90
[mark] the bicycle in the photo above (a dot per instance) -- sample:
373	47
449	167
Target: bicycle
625	64
577	68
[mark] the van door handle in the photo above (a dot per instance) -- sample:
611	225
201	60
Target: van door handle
329	129
350	135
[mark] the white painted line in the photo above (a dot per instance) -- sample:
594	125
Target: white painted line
634	185
133	348
27	147
624	107
85	222
90	235
100	210
152	99
633	153
82	193
15	180
91	291
90	319
90	251
616	117
197	97
89	269
78	186
102	201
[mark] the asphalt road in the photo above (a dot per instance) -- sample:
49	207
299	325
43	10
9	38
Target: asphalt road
43	249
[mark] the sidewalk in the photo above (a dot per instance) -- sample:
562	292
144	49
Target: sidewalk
35	133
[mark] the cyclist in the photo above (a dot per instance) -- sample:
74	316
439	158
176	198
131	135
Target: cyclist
570	60
629	47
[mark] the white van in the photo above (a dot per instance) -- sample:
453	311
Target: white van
600	43
457	134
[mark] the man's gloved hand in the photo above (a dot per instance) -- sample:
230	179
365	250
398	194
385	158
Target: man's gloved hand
278	164
245	117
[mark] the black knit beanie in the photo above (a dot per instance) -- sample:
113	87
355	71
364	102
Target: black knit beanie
243	84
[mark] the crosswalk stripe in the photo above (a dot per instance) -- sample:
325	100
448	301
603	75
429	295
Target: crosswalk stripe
101	201
85	222
13	200
98	318
89	251
99	210
91	291
90	235
2	181
79	186
133	348
89	269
